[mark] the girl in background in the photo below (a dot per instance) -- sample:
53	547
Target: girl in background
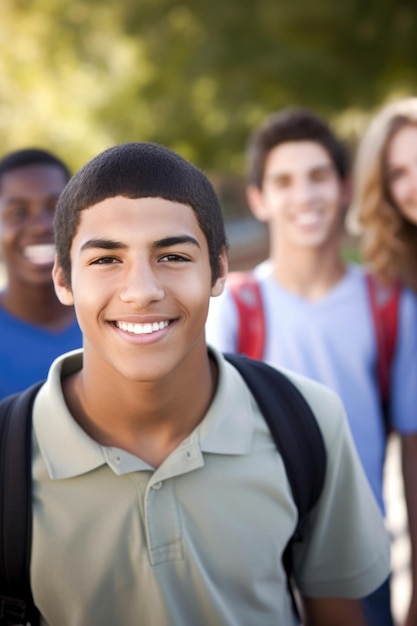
385	206
385	195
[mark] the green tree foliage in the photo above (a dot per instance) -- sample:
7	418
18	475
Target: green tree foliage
195	75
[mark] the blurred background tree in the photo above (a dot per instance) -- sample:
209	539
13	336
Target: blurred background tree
195	75
77	76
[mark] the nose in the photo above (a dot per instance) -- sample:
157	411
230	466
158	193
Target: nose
141	285
42	220
302	192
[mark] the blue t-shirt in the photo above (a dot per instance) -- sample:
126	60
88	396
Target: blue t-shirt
27	351
332	340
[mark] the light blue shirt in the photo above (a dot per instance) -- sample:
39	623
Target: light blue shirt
332	340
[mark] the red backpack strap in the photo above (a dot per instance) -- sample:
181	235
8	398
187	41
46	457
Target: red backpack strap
384	303
247	295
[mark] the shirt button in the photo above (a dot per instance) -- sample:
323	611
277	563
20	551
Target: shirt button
157	485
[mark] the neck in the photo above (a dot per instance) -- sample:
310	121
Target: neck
309	273
148	420
36	304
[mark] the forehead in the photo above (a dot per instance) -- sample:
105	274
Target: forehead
33	179
297	156
137	218
403	143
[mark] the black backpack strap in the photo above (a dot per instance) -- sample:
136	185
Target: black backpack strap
297	436
293	427
16	602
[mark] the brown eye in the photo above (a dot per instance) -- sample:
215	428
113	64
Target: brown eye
105	260
16	213
173	258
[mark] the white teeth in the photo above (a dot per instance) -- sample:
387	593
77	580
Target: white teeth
307	218
141	329
40	254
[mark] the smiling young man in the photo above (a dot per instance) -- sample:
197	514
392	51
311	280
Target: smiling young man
158	492
35	326
314	310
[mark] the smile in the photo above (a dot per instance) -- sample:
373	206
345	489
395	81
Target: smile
142	329
40	254
308	218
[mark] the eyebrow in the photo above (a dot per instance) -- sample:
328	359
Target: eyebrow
166	242
174	241
104	244
20	199
322	167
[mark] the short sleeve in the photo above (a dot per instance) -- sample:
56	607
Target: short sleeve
346	549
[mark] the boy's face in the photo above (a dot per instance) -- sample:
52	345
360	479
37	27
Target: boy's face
28	196
301	197
141	284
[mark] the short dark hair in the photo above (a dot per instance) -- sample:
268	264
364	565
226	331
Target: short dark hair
139	170
31	156
292	124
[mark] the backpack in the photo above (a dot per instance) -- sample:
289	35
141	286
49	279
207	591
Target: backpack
16	603
298	439
384	304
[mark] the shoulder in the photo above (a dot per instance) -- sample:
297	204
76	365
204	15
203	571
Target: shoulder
325	404
263	270
356	275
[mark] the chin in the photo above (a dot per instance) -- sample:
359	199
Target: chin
146	374
311	242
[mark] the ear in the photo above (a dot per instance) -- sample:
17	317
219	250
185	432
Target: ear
218	286
62	290
255	198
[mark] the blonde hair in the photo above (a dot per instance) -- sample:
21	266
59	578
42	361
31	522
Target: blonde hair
389	241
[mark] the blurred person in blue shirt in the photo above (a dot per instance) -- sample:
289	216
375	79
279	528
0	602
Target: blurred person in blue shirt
34	326
316	307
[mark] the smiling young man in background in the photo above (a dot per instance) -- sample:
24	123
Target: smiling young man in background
34	326
309	310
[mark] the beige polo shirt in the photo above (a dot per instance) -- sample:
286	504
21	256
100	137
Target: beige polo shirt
198	541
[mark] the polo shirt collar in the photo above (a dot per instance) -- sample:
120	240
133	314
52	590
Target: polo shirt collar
68	451
227	427
66	448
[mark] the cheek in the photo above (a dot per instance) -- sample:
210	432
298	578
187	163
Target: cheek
8	233
90	293
398	191
195	294
275	201
333	195
271	202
